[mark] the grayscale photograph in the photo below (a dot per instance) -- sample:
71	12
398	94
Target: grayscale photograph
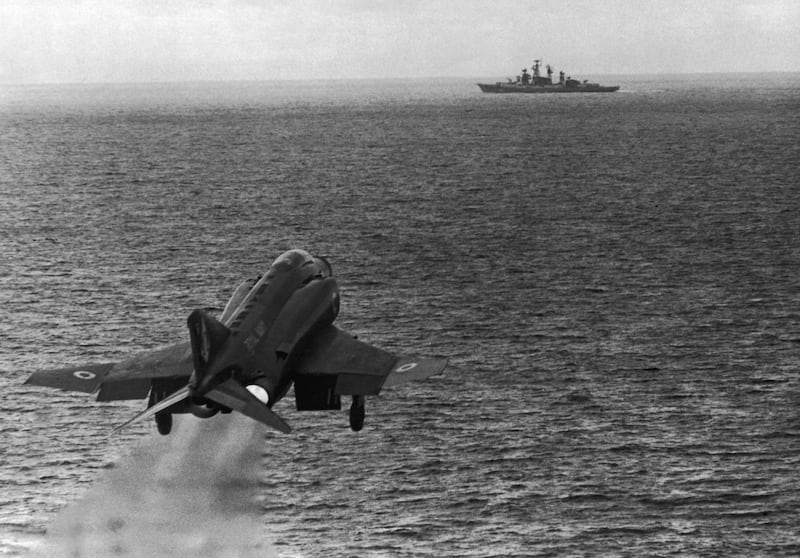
407	279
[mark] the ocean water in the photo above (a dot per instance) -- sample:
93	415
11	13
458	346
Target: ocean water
614	279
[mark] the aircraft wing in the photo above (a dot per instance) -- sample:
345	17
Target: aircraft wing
129	379
132	378
335	361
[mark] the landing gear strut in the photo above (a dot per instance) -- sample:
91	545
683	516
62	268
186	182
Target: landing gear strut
357	413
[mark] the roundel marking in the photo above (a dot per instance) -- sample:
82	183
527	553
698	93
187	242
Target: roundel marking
406	367
84	375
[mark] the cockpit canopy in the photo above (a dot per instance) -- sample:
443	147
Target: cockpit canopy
323	266
295	258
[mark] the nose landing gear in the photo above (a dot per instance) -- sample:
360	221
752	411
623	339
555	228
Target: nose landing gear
357	413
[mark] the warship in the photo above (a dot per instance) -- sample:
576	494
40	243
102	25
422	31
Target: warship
536	83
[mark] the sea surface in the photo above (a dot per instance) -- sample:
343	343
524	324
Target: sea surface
615	280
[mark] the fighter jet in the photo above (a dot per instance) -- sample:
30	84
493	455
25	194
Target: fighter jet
276	331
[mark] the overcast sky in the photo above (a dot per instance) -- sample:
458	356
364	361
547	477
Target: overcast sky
45	41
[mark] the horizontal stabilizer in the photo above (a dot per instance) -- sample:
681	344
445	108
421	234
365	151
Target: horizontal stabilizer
235	396
85	378
176	397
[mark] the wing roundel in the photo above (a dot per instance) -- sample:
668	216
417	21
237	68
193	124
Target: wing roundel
85	378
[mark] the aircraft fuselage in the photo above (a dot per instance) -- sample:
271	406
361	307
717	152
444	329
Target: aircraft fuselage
295	297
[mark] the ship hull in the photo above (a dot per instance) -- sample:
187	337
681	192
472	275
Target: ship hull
519	88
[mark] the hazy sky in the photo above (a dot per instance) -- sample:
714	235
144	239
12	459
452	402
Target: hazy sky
163	40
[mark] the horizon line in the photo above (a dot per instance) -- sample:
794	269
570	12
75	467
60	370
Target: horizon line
384	78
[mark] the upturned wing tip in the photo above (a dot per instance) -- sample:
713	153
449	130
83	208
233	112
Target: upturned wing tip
411	368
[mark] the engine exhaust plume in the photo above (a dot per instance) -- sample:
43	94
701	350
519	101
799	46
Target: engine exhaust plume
191	494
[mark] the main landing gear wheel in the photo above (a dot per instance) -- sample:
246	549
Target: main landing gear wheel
164	423
357	413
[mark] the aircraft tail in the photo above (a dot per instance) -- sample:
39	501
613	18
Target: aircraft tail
177	397
235	396
207	335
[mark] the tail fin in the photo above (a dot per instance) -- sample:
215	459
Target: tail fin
207	335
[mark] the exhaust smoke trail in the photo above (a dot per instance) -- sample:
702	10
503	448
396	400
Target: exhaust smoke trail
192	493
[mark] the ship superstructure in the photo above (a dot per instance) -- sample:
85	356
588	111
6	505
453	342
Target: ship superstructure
534	82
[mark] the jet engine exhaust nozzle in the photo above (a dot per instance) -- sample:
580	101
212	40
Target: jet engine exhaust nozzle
259	392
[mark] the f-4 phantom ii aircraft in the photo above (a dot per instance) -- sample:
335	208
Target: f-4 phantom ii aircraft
274	332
